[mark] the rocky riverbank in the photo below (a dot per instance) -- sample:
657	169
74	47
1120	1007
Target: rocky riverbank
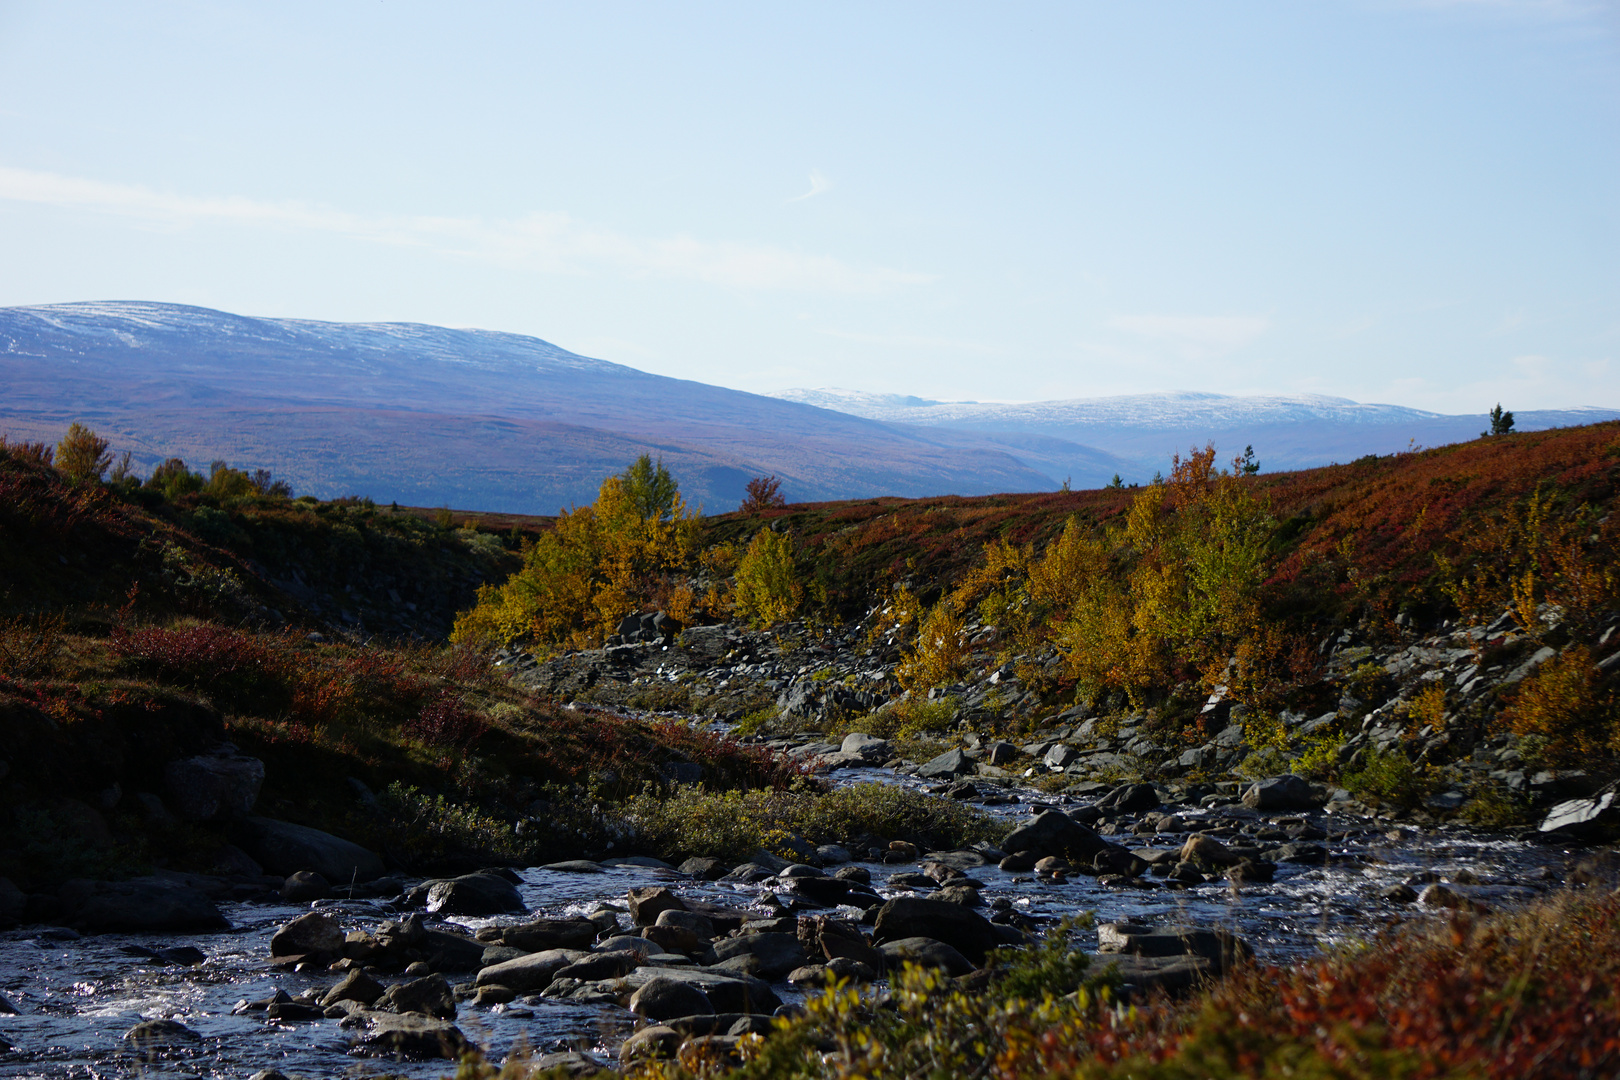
584	959
1411	724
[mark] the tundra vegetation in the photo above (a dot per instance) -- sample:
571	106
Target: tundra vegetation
351	648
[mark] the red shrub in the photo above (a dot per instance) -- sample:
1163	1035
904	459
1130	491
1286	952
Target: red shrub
224	663
444	721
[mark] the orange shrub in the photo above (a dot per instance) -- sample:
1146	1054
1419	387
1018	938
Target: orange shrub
1565	711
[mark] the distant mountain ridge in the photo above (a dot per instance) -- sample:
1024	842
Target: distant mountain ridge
1288	431
1183	408
480	419
425	414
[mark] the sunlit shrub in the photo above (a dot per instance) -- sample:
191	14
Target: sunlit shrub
1389	777
1564	713
767	589
734	824
939	652
82	454
597	564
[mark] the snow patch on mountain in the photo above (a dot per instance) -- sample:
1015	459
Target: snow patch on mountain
1175	409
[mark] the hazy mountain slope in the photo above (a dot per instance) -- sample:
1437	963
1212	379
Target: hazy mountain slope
1287	431
424	413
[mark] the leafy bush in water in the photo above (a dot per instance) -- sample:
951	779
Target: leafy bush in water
735	824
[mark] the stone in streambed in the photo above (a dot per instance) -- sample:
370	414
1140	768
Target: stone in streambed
599	966
1054	833
665	999
315	936
947	766
539	934
475	894
655	1042
284	848
304	886
677	939
430	996
703	868
153	1038
1286	792
357	985
926	952
727	992
1207	851
776	954
529	974
409	1035
1220	948
963	929
648	903
141	905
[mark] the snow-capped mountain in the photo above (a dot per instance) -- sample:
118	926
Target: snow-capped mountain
1287	431
430	415
479	419
1178	409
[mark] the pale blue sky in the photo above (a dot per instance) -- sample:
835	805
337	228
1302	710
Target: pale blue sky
1404	202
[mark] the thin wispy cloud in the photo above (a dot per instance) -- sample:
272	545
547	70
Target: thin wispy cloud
819	184
548	242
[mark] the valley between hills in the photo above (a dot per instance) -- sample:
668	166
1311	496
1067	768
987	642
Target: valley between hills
1240	772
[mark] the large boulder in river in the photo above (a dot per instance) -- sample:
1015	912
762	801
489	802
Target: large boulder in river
284	848
223	783
529	974
928	953
1055	833
667	999
409	1035
962	928
475	894
1583	821
1286	792
947	766
138	906
315	935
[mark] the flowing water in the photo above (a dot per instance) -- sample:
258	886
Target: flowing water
77	996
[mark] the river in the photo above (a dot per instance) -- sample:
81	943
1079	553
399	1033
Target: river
76	996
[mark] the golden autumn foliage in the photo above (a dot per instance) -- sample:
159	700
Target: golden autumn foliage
82	454
1528	554
1563	712
767	590
1173	591
600	563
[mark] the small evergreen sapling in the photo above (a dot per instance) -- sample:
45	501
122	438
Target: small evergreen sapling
1501	422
